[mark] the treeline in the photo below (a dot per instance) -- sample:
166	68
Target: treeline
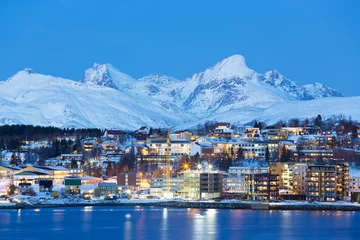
341	123
13	136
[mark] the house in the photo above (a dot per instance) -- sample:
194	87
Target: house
109	146
24	187
8	172
69	157
114	134
144	130
222	130
107	188
72	185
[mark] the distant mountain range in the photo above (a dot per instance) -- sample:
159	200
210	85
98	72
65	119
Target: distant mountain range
108	98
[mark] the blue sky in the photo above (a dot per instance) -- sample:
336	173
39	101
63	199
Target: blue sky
307	41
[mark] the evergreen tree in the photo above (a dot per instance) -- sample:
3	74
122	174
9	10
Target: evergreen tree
284	156
110	170
11	189
73	163
240	153
318	121
267	154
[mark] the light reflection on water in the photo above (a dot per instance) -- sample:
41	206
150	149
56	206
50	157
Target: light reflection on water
168	223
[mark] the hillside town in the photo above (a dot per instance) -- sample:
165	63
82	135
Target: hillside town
311	160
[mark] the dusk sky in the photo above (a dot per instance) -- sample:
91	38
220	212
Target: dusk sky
307	41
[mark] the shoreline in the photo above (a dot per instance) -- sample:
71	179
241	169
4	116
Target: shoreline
198	205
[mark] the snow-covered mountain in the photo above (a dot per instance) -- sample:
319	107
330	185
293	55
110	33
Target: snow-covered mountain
109	98
31	98
108	76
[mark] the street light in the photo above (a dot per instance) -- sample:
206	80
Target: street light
185	166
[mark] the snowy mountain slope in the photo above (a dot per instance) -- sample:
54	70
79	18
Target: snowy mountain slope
327	107
319	90
158	87
31	98
108	98
306	92
228	85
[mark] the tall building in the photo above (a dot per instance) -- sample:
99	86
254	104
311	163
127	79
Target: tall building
292	179
235	181
263	186
342	181
202	185
321	183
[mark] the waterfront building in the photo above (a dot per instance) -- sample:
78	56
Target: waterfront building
235	181
72	185
202	185
107	188
321	183
127	180
263	186
292	178
176	183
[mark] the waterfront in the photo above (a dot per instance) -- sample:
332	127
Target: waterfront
135	222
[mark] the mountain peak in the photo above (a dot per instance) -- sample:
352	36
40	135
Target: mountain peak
231	67
28	71
108	76
236	59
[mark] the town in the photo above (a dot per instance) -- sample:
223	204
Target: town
312	160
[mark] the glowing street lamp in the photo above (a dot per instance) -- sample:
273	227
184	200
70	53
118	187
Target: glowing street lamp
185	166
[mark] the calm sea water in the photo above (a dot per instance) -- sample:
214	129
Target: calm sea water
166	223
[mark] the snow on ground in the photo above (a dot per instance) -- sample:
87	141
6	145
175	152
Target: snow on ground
298	203
354	172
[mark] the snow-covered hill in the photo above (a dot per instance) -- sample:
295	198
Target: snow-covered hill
32	98
109	98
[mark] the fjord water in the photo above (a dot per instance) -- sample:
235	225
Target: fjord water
168	223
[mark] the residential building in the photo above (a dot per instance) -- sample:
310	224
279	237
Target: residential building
292	177
176	183
24	187
235	181
263	186
321	183
311	155
8	172
127	180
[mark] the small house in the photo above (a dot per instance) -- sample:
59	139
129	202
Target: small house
72	185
